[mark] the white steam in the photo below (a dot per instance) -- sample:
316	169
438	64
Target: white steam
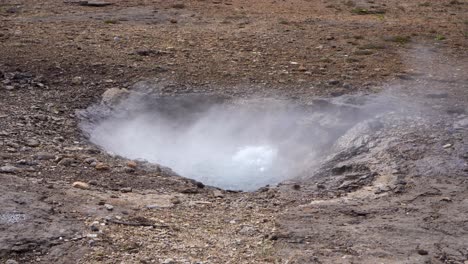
234	145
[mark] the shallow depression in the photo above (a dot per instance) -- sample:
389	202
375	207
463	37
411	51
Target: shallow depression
231	144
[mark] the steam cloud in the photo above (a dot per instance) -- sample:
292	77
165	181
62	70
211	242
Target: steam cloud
229	144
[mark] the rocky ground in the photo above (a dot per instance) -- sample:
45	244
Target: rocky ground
392	193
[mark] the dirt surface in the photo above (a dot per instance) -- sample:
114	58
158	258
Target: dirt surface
392	193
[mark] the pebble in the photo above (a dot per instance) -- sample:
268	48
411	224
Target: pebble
437	95
447	145
44	156
81	185
11	261
90	160
66	162
461	123
422	252
113	96
169	261
132	164
153	206
218	194
109	207
77	80
32	143
129	170
95	3
9	169
102	166
126	189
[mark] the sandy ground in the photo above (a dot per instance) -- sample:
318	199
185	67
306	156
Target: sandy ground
400	196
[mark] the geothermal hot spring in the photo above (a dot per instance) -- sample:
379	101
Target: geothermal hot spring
231	144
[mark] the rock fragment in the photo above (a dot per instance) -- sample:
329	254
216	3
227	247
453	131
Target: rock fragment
109	207
81	185
9	169
44	156
102	166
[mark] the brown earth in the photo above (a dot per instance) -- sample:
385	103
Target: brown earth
404	201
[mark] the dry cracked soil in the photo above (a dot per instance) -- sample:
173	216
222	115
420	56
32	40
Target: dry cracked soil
392	190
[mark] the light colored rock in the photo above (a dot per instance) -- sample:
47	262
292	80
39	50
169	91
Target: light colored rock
218	194
132	164
81	185
44	156
113	96
102	166
9	169
109	207
463	123
77	80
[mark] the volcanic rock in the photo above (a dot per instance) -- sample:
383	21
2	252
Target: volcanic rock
9	169
81	185
113	96
44	156
102	167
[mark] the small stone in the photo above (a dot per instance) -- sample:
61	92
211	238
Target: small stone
77	80
129	170
447	145
132	164
9	87
153	206
32	143
94	228
95	3
446	199
330	38
461	123
11	261
90	160
175	200
113	96
247	231
169	261
93	182
333	82
422	252
44	156
102	167
437	95
218	194
143	52
199	184
273	237
173	21
9	169
126	190
296	187
81	185
66	162
109	207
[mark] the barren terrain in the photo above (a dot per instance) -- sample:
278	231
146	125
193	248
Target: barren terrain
393	189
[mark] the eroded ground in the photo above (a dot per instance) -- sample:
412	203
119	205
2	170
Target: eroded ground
397	194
